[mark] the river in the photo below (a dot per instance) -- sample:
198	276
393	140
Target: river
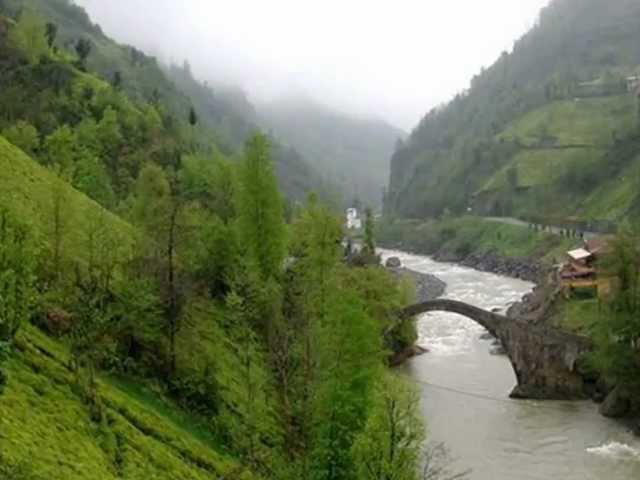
465	389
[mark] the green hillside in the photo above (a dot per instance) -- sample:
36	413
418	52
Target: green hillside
31	190
45	421
551	128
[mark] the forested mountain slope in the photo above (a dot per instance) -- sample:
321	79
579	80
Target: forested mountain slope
352	152
44	412
549	129
224	117
162	313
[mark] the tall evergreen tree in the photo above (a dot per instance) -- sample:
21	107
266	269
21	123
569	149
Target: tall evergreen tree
260	208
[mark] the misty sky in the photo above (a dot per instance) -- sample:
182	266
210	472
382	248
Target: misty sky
392	59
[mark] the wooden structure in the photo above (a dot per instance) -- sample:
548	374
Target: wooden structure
580	271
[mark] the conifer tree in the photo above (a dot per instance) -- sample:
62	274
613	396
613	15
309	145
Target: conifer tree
260	209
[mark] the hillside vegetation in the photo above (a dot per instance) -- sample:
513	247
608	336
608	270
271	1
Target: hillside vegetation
550	130
163	314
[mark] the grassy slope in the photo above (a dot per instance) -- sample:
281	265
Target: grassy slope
44	422
582	131
29	189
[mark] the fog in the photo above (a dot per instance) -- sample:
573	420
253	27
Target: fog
391	59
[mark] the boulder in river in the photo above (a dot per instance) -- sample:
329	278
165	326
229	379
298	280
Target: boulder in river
617	404
393	262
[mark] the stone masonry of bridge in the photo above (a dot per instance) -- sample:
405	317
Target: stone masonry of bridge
543	358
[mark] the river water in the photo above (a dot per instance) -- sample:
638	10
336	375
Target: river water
466	406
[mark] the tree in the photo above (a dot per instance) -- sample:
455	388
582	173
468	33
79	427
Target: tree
193	117
29	36
159	210
260	209
60	151
51	33
369	246
310	280
617	333
18	257
117	80
348	359
110	136
91	178
89	337
24	136
251	422
390	445
57	221
83	50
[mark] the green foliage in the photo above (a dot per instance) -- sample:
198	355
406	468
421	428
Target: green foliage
348	358
384	295
24	136
466	235
60	148
390	445
260	209
29	36
369	246
18	259
617	333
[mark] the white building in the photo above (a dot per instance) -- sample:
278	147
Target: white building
353	219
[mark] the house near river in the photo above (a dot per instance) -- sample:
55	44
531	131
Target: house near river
581	270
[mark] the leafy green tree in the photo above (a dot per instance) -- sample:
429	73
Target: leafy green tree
369	245
18	257
51	32
390	445
91	178
83	49
260	210
159	210
252	423
110	136
211	182
24	136
348	360
29	36
193	117
617	333
60	151
89	338
57	221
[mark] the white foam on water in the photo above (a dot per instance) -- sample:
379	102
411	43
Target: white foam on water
616	451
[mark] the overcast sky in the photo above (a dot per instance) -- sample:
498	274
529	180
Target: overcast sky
394	59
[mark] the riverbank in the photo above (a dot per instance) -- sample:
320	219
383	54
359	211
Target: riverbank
510	250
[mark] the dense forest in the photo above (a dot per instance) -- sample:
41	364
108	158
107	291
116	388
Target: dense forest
550	129
352	152
166	309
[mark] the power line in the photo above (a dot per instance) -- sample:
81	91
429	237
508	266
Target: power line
491	398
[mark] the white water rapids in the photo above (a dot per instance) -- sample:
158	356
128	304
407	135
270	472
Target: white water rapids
465	397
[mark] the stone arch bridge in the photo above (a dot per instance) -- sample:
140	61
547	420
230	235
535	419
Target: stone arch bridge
543	358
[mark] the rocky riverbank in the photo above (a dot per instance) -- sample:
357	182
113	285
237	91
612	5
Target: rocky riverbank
428	287
526	269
